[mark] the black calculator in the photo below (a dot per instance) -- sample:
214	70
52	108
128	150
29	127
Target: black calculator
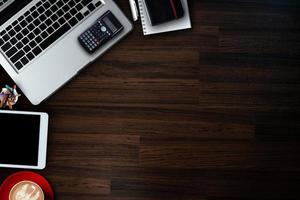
103	30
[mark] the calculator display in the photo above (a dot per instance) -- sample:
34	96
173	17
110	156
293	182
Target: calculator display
109	24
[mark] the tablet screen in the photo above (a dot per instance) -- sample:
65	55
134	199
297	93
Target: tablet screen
19	139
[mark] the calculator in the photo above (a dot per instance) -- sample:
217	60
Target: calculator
102	31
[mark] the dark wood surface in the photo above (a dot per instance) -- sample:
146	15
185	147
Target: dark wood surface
205	114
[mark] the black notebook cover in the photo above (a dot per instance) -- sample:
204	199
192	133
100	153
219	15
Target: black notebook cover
161	11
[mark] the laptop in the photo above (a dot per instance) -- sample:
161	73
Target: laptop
44	43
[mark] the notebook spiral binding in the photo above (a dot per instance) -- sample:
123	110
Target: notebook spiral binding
142	14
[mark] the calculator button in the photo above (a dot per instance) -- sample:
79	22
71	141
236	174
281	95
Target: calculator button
103	28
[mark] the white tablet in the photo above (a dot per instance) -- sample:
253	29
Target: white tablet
23	139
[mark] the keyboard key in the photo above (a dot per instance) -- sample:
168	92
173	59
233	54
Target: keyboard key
18	65
57	34
25	40
17	28
60	4
60	13
35	14
79	6
25	31
23	23
37	51
54	17
36	22
13	41
29	19
42	17
6	37
31	26
44	35
26	13
1	42
38	39
67	16
17	56
42	26
98	4
66	8
36	31
62	21
32	8
79	16
24	60
6	46
91	7
19	36
14	23
86	13
20	18
30	56
41	9
55	25
48	13
71	3
12	33
54	8
73	21
39	3
19	45
27	48
50	30
32	44
46	5
9	27
30	36
73	11
48	22
11	51
2	32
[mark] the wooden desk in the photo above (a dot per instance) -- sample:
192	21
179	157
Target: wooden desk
209	113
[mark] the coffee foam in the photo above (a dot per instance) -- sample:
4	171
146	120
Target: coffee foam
26	190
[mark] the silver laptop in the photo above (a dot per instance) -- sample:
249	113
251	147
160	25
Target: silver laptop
44	43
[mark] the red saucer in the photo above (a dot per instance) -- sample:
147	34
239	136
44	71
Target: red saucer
25	176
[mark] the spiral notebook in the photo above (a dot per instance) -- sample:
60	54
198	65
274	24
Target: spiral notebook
179	24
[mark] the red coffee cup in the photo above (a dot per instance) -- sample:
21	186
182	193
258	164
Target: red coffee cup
26	184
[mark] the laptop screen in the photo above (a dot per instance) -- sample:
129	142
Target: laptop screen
9	8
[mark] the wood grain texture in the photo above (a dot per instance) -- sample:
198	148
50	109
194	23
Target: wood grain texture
210	113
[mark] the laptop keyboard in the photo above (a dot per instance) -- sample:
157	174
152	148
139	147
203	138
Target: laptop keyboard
39	27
